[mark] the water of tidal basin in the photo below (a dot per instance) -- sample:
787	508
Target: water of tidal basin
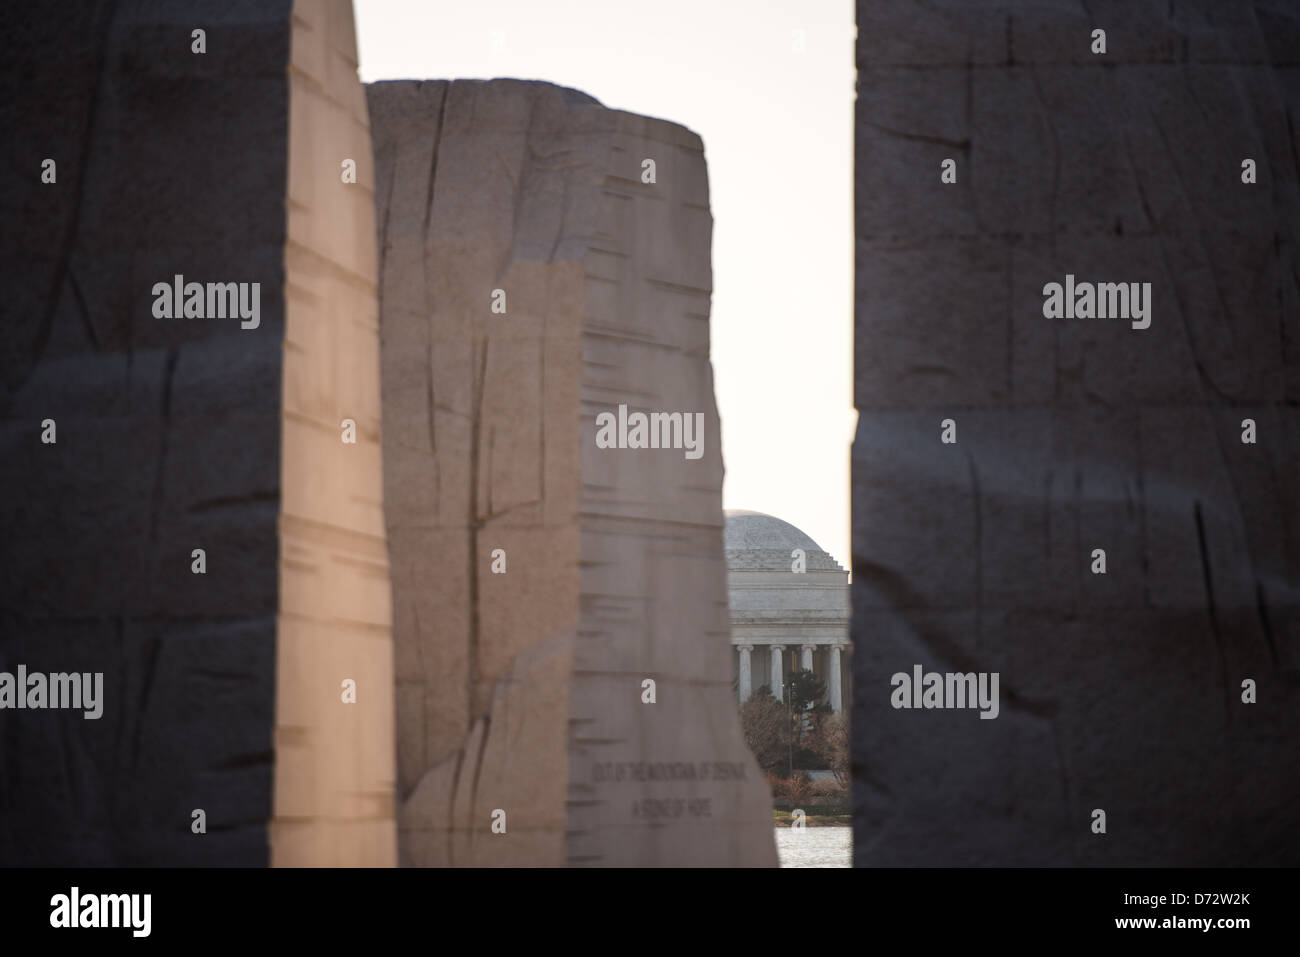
815	846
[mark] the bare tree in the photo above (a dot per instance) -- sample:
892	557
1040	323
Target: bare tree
833	744
767	731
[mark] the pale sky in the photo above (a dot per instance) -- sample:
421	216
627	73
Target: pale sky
768	85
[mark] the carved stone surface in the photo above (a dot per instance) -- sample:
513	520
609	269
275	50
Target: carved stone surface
1119	691
521	691
185	433
335	766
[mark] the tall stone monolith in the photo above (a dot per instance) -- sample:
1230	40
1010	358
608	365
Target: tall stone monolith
181	511
1102	511
560	612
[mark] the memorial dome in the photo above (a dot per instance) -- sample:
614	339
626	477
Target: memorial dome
756	540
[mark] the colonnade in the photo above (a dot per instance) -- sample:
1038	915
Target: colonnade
776	671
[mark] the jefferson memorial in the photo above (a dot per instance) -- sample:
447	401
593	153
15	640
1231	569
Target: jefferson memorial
789	607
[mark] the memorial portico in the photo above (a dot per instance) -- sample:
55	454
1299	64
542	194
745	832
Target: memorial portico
789	608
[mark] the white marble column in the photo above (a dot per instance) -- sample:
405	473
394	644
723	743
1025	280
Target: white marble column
744	671
778	687
837	705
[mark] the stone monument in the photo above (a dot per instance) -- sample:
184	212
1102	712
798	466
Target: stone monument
553	486
1095	499
192	315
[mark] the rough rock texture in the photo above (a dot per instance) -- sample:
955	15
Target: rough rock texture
169	435
1119	691
522	691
